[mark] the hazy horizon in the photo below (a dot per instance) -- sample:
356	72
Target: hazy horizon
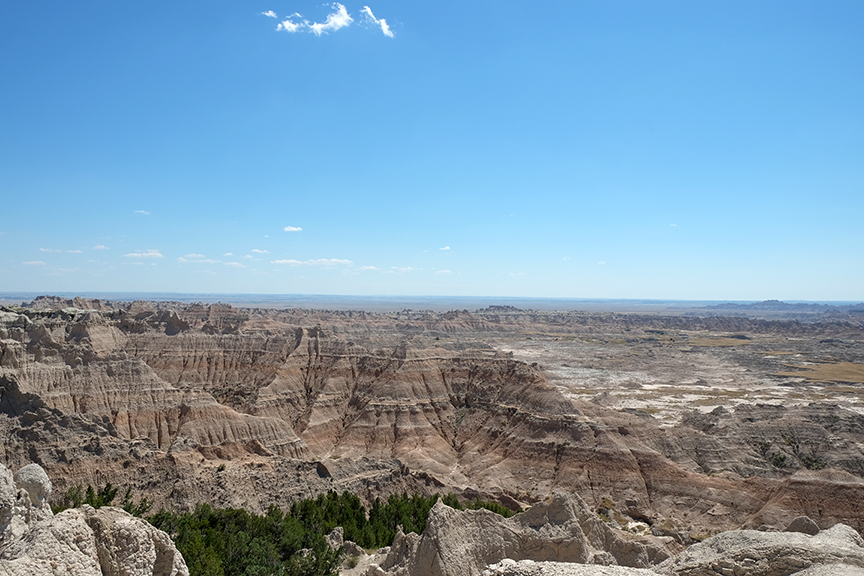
382	303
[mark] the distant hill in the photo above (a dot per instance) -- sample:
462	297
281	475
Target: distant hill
776	309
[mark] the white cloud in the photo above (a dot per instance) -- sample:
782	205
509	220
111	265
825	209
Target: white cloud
147	254
234	264
33	263
144	212
369	268
293	229
377	21
288	26
227	254
602	263
100	247
329	262
673	225
335	20
315	262
197	258
257	251
62	271
60	251
443	272
444	248
402	269
248	257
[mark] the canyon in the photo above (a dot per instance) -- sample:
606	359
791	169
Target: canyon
674	426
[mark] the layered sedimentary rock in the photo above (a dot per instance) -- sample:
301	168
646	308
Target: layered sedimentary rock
245	408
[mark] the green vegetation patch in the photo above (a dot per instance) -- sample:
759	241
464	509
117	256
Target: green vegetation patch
233	542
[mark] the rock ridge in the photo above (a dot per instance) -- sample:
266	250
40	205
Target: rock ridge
75	542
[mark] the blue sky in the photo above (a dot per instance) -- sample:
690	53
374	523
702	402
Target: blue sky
593	149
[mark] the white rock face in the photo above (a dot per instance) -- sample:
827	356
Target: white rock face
34	479
78	542
531	568
837	550
562	529
561	537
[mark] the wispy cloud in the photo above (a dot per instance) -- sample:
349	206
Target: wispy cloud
33	263
402	269
233	264
381	22
257	251
444	248
439	272
369	268
288	25
144	212
227	254
601	263
62	271
293	229
147	254
197	258
55	251
335	20
100	247
315	262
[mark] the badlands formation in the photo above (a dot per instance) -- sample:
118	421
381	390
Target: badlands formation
673	427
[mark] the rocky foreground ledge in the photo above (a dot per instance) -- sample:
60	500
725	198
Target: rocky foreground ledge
76	542
562	537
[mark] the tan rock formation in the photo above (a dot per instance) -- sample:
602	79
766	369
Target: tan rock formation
561	529
76	542
192	402
837	550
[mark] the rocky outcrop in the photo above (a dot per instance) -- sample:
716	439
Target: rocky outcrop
561	537
837	550
509	567
561	529
189	403
75	542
